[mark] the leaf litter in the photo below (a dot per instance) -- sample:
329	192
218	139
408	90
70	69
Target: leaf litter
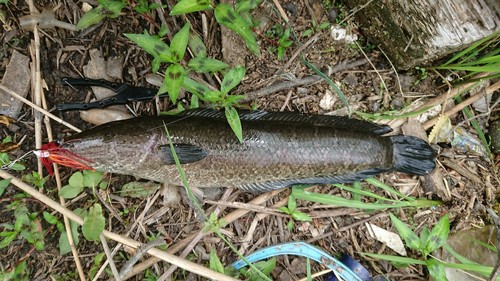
339	231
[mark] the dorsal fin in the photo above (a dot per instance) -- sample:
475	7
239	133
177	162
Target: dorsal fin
337	122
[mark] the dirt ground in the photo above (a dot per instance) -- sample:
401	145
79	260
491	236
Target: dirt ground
370	87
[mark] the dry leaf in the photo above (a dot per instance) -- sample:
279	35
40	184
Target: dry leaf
6	120
8	146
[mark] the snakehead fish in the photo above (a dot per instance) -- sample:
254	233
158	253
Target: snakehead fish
278	150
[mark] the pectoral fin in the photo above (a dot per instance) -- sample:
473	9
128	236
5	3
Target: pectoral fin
186	153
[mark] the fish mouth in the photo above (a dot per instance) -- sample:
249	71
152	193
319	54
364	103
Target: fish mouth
52	153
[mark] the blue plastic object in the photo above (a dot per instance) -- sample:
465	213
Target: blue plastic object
305	250
353	265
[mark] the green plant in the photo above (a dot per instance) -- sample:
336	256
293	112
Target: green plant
425	244
315	28
19	273
176	77
225	15
380	201
35	179
5	161
143	6
106	9
283	43
80	180
253	273
26	226
481	57
99	258
291	210
64	246
93	219
428	242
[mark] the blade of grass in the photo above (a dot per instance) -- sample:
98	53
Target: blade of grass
387	188
357	191
318	72
473	47
339	201
197	205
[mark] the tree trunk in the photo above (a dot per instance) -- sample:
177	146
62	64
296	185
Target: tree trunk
416	32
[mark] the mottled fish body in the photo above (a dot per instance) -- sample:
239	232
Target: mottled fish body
278	150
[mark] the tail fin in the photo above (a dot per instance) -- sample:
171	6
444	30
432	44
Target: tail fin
413	155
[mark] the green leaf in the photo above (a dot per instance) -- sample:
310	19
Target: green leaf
70	192
93	223
285	210
292	204
194	87
395	259
299	216
50	218
232	79
91	17
97	264
3	185
436	270
17	167
76	180
424	235
197	46
174	79
189	6
179	43
226	15
234	121
64	246
215	263
112	9
438	235
246	5
411	239
333	200
91	178
266	267
201	64
9	236
307	33
136	189
290	225
154	46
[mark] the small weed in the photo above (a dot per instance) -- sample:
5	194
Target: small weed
35	179
99	258
106	9
78	181
19	273
283	43
225	15
255	273
481	57
291	210
143	6
380	201
26	226
5	161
